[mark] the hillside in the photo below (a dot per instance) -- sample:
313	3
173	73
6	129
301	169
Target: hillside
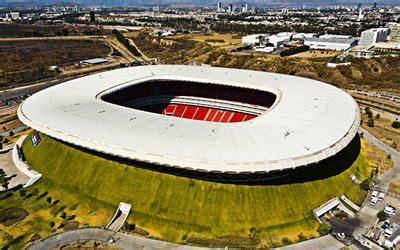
374	73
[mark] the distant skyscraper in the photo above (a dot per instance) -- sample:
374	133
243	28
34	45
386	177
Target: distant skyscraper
244	8
230	8
359	5
375	5
219	7
360	14
92	16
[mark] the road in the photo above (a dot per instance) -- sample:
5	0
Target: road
383	180
123	241
327	242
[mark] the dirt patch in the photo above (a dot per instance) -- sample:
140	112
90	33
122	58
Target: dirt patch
11	215
234	242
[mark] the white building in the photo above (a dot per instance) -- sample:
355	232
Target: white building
230	8
219	7
372	36
15	15
255	39
393	239
338	44
279	39
244	8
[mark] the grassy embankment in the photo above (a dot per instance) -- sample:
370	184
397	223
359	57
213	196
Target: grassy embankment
177	208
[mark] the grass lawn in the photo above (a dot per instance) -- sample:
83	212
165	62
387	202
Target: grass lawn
394	187
170	207
383	130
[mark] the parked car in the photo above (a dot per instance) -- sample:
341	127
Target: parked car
385	224
389	210
366	244
374	194
374	200
388	232
341	235
381	196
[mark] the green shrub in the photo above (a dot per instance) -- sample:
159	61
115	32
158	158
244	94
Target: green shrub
294	50
324	228
364	185
381	215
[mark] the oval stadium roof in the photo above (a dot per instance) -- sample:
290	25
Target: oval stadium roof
311	121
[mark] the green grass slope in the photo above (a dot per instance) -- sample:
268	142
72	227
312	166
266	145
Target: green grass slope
175	208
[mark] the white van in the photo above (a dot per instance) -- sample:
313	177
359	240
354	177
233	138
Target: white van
389	211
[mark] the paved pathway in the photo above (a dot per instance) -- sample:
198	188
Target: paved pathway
7	164
326	242
123	241
392	174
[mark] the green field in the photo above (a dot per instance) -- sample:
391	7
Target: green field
177	208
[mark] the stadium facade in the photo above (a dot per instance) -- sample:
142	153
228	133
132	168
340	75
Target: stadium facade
200	119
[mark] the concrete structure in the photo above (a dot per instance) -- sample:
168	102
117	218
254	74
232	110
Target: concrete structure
372	36
308	121
95	61
255	39
22	166
338	44
119	217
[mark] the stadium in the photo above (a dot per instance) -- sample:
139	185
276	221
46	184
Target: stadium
210	152
231	123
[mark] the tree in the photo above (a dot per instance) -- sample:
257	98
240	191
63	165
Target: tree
364	185
370	123
324	228
381	215
396	124
377	116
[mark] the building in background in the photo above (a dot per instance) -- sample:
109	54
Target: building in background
256	39
394	29
219	7
230	8
331	43
15	15
372	36
244	8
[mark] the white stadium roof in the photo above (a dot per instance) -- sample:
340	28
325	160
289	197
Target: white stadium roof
309	122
